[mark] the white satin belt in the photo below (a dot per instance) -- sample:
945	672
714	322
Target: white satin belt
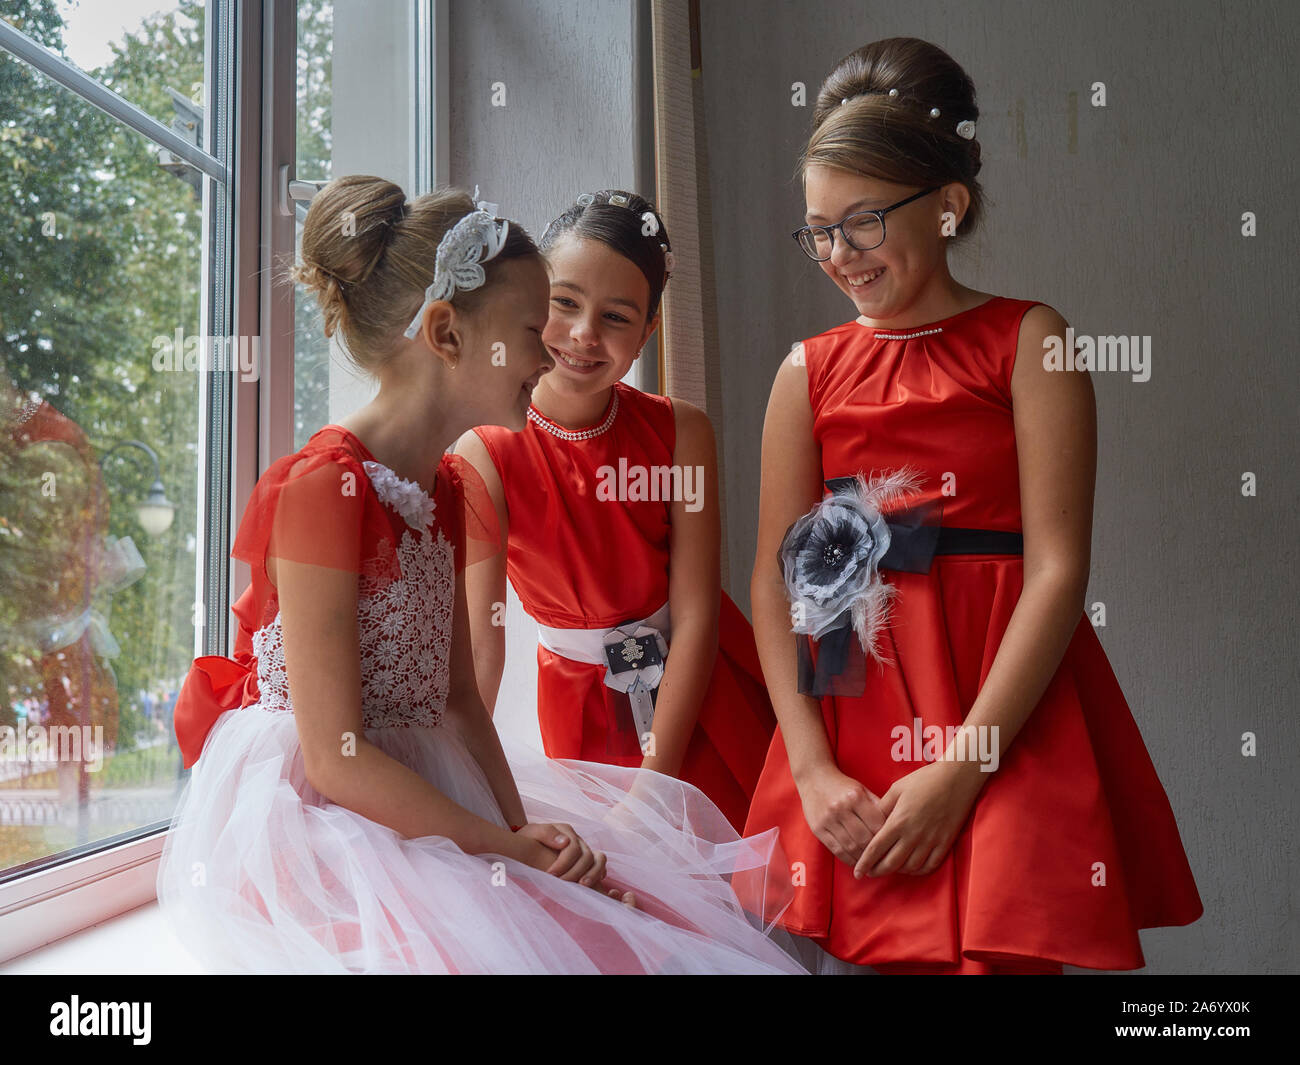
588	645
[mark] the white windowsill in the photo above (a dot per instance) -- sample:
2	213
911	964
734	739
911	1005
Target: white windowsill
133	943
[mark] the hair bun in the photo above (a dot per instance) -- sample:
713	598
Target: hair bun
369	256
899	70
347	231
364	211
328	291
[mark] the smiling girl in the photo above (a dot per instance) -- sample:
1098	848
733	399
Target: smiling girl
609	497
1060	844
352	808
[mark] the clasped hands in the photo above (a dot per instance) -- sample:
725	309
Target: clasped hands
909	829
558	850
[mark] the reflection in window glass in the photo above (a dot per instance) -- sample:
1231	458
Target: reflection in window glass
100	276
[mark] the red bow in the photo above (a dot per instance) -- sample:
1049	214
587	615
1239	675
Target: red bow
214	685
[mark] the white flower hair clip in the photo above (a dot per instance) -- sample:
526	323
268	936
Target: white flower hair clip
458	265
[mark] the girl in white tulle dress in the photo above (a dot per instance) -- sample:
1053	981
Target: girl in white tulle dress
351	807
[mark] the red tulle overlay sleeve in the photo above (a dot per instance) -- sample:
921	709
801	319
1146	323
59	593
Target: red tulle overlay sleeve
305	508
474	530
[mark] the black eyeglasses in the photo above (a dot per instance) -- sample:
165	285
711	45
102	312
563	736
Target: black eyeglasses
864	230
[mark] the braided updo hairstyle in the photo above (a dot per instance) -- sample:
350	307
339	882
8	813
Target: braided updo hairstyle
632	228
368	255
895	139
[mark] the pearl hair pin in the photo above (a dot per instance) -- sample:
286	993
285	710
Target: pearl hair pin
965	129
618	199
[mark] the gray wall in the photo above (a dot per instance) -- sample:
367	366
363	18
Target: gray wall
1127	220
567	127
1129	224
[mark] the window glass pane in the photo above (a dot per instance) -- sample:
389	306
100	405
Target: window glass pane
100	275
357	108
137	48
314	135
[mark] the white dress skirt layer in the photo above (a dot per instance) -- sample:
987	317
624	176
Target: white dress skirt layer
261	874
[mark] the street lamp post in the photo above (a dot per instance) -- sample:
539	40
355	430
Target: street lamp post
155	511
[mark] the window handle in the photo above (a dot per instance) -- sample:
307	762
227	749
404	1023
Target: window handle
295	194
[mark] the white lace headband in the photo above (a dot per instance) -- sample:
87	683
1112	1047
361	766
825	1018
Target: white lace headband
464	248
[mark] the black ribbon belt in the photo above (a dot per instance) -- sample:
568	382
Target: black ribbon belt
916	535
909	553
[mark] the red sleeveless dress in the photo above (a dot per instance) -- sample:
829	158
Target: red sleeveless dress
1021	884
578	562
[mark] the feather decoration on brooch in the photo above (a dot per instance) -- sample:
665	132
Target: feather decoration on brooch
830	558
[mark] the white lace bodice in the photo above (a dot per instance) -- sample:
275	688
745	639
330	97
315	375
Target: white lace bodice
404	620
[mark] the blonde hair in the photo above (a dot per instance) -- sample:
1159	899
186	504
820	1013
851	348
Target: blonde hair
368	255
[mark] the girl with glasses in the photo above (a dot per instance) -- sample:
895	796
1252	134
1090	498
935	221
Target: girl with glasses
956	773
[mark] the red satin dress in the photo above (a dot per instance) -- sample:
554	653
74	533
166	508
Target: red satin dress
1071	846
576	561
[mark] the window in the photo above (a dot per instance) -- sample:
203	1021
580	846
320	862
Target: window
363	109
153	359
114	270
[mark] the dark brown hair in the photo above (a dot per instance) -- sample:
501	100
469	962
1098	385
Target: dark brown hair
896	139
623	227
368	255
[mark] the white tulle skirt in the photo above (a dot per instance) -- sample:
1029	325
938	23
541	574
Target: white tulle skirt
261	874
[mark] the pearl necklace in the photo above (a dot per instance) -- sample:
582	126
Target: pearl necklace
542	422
906	336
